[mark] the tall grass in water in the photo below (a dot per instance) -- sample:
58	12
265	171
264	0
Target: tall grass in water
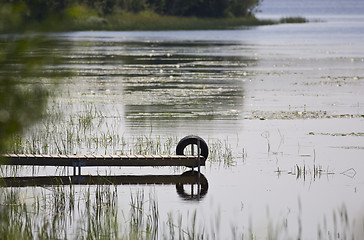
60	213
143	218
86	213
221	153
81	212
90	131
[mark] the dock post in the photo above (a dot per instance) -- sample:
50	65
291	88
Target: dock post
198	168
192	153
76	164
193	168
198	158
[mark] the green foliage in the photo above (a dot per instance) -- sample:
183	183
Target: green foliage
26	74
104	7
79	12
24	82
11	15
54	15
23	93
134	6
204	8
241	8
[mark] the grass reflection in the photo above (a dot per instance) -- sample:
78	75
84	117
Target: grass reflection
93	212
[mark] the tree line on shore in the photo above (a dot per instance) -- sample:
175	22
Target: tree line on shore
39	10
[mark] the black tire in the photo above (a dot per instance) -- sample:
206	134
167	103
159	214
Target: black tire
192	139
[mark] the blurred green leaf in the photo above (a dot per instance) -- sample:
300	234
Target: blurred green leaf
25	84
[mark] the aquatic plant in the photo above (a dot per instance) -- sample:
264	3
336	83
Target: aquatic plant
316	171
293	20
221	153
92	212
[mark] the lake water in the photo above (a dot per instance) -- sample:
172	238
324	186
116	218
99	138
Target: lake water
280	98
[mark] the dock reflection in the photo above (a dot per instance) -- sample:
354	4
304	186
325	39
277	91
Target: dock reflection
188	180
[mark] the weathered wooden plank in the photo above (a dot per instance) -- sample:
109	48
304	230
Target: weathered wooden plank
101	160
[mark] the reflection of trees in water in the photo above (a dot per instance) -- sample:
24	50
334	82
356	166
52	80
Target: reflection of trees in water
189	82
165	80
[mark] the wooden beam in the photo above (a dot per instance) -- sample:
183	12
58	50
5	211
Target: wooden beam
101	160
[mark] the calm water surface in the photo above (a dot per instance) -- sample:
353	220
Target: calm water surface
277	96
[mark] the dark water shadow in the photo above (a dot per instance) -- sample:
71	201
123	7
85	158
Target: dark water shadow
191	179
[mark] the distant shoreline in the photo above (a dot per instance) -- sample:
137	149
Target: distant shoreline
148	22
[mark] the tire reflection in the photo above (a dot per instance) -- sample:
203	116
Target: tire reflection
196	189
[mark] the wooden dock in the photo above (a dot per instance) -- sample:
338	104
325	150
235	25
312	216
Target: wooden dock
78	161
102	160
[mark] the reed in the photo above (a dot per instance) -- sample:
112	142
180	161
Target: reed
93	212
304	171
221	152
293	20
87	130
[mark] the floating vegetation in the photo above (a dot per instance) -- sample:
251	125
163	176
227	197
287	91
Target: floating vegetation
304	171
334	81
293	20
352	134
289	115
316	171
350	147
